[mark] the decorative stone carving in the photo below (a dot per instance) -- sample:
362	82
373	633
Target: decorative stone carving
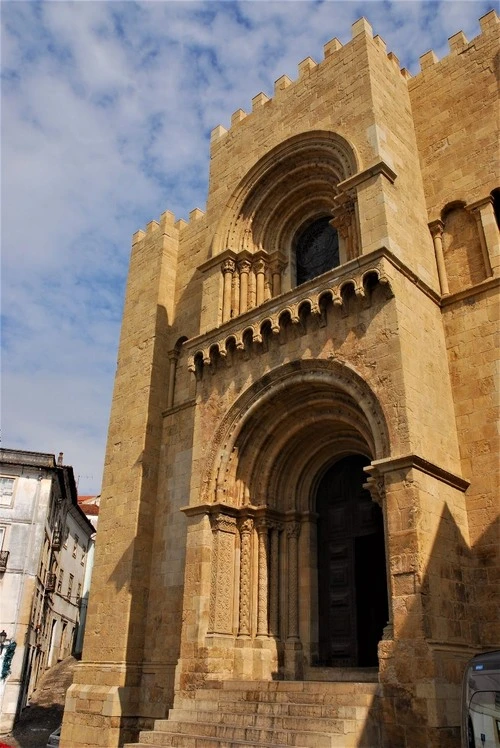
263	536
222	573
246	528
375	484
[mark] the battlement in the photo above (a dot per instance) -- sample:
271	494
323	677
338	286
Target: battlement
458	42
360	28
167	219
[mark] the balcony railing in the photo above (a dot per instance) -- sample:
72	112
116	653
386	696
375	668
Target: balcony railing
4	557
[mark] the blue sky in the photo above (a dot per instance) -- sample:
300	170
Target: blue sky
107	109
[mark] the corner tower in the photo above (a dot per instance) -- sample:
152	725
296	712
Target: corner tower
285	489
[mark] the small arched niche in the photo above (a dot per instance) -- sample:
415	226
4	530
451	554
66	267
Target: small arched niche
462	252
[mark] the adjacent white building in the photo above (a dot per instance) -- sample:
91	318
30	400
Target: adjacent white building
44	543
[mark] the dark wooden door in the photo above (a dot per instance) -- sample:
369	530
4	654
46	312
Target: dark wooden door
351	567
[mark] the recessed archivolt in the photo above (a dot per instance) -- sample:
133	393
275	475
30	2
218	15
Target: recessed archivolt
284	424
277	192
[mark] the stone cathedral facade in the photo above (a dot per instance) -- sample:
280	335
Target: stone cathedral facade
299	539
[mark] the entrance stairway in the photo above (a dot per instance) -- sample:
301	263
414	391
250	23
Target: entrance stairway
241	714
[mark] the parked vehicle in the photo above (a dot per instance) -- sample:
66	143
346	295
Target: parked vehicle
481	702
54	738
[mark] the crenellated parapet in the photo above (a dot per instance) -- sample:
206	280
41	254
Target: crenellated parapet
342	291
458	43
305	68
167	221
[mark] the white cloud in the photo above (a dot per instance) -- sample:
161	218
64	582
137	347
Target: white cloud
106	113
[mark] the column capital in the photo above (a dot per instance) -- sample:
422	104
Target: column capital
244	266
228	266
375	484
260	265
436	228
293	529
246	525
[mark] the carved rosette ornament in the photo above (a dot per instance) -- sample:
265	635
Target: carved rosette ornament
293	532
246	528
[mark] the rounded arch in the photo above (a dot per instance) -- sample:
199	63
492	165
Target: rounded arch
288	427
295	181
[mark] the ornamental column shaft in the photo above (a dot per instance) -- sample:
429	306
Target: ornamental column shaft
274	579
262	614
246	527
228	268
172	365
244	268
293	531
436	229
260	269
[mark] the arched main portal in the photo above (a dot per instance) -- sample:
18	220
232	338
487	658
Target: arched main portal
267	493
352	585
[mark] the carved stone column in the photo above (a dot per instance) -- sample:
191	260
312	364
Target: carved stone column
222	574
274	581
293	532
262	610
244	268
228	268
277	267
173	357
260	271
246	528
436	229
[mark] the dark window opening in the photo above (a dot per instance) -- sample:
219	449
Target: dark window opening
496	205
317	250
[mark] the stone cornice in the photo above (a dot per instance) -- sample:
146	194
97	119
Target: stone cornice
414	461
362	176
479	288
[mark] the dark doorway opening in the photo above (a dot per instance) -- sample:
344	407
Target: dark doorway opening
352	586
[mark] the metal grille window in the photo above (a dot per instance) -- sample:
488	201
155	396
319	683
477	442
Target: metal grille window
317	250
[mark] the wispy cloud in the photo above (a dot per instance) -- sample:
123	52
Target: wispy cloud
106	113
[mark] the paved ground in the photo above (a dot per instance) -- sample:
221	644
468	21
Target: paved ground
44	714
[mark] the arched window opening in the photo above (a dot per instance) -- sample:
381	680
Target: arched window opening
317	249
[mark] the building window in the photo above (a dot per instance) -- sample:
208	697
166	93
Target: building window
316	249
75	546
70	584
78	594
6	490
60	580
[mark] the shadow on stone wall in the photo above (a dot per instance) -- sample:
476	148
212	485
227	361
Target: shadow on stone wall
421	670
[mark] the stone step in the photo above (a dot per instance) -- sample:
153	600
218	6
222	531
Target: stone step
181	740
331	674
347	693
263	721
211	709
321	738
201	741
344	685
